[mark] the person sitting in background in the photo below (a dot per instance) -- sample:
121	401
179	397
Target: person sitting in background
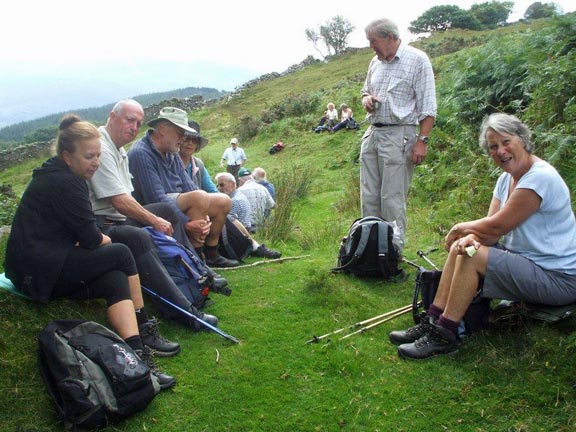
56	250
241	212
260	199
345	116
122	218
524	249
159	176
195	168
260	176
330	117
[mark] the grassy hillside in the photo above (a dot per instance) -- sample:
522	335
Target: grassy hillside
511	378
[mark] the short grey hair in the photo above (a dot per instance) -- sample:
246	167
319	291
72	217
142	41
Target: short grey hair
383	27
259	173
505	124
226	175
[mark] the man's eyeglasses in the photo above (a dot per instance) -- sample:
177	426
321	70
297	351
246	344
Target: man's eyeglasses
221	184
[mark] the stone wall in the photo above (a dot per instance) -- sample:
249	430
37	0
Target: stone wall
24	152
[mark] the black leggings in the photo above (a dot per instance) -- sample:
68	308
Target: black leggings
97	273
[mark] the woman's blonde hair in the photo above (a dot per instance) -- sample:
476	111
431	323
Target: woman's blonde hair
71	130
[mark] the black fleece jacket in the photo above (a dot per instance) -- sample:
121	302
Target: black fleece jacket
54	215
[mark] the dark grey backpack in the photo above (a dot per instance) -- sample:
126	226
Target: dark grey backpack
369	250
93	376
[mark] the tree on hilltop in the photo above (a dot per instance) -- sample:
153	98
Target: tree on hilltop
334	33
542	10
492	14
480	16
442	18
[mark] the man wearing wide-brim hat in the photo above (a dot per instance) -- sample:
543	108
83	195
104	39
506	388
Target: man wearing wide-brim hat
159	176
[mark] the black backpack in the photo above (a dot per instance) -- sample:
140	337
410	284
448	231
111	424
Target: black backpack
93	376
369	250
233	244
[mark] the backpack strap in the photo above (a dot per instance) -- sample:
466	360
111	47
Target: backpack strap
364	235
383	251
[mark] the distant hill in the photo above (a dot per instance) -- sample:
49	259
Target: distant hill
17	132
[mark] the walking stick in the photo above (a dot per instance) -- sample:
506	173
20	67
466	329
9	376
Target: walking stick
190	315
377	323
424	256
393	314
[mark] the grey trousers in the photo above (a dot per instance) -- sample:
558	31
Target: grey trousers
386	171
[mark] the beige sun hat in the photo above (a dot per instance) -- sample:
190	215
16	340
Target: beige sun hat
176	116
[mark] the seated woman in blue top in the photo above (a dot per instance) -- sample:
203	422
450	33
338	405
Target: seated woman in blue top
524	249
195	168
56	250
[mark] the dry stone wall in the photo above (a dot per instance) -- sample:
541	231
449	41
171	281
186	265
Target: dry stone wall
24	152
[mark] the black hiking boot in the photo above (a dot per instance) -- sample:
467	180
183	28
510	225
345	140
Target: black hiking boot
147	356
150	335
399	337
437	341
197	326
217	283
220	262
263	251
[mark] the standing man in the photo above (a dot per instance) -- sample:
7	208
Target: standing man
234	157
399	95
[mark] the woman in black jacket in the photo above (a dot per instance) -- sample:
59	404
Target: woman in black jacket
55	248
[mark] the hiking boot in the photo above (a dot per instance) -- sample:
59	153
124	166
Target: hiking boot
221	262
150	335
217	283
436	341
147	356
197	326
263	251
399	337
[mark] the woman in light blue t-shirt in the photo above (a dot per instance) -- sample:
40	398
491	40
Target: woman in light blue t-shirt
523	250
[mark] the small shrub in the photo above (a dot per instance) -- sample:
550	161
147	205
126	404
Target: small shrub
247	128
291	185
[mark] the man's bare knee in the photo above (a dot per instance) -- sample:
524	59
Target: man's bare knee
195	201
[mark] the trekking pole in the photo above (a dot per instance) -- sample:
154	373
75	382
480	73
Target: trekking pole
317	339
425	257
413	264
190	315
377	323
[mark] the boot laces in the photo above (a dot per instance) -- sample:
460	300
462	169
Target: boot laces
154	331
147	356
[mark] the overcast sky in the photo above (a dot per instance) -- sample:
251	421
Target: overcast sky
260	35
211	43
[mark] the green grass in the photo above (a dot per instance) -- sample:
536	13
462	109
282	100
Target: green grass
510	378
518	379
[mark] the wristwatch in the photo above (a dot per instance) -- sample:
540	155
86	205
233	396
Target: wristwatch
423	138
